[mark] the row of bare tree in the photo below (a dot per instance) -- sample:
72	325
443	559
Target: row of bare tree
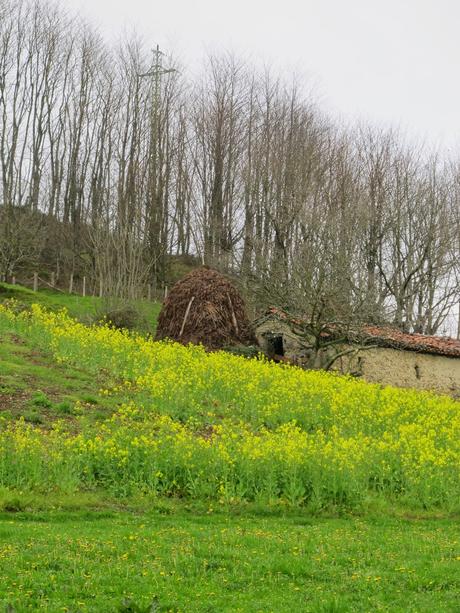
111	174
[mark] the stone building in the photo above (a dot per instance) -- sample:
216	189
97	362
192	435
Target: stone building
378	354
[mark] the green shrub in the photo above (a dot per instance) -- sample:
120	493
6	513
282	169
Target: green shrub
124	317
40	399
65	407
32	417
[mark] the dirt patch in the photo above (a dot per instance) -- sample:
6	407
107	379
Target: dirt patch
206	432
14	402
17	340
18	404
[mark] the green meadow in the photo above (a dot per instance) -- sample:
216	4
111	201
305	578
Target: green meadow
172	557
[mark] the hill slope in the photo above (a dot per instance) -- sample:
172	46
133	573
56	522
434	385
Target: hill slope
174	480
237	429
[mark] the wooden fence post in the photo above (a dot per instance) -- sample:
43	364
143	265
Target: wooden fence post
100	287
71	283
35	281
84	286
13	280
53	282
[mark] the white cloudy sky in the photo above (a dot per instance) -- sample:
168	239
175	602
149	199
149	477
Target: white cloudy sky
386	61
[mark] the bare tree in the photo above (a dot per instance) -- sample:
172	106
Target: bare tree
118	176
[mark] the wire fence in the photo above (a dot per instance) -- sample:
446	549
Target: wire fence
82	286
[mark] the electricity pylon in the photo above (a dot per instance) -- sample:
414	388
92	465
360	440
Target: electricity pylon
155	213
156	72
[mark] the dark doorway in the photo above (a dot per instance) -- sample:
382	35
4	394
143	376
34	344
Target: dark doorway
275	345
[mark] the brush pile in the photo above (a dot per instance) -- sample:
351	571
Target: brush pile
205	307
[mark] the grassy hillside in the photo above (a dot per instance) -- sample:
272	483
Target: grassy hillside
33	385
84	308
196	424
137	476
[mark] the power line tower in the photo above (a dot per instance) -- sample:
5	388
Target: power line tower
156	72
155	210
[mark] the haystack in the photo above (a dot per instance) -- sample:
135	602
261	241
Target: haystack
204	307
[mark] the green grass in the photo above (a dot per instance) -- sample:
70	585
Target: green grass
35	387
84	308
190	559
26	372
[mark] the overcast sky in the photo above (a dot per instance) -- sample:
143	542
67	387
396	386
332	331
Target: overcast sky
386	61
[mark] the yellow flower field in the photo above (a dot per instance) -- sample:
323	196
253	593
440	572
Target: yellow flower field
219	426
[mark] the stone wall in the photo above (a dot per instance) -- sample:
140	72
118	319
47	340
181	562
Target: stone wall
292	346
380	365
424	371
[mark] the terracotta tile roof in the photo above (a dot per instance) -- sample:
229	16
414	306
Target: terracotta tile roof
389	337
386	336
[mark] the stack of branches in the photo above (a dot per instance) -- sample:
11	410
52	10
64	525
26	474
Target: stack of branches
205	308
